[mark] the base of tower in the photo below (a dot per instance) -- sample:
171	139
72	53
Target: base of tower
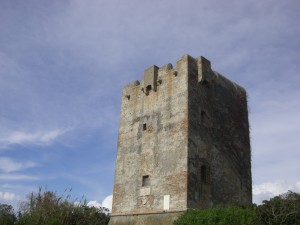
164	218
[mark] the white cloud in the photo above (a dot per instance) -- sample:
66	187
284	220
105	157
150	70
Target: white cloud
17	177
37	138
9	165
8	196
95	204
107	202
265	191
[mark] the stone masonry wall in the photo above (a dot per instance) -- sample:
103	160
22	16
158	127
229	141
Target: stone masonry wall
153	142
219	146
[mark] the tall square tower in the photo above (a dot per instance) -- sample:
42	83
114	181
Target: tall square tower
183	143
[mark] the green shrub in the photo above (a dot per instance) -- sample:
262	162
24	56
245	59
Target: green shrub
219	216
7	216
46	208
281	210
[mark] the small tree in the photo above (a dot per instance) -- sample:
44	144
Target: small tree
7	216
46	208
281	210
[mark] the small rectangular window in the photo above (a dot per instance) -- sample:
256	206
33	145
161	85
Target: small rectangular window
203	174
203	116
146	181
144	126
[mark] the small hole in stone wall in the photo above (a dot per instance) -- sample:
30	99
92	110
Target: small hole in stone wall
146	181
203	116
175	73
128	97
144	126
205	83
148	89
203	173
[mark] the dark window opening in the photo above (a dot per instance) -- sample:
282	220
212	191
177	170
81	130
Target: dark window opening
205	83
203	174
144	126
148	89
146	181
203	116
175	73
128	97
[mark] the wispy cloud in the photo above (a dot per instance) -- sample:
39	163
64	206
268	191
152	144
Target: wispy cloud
265	191
37	138
10	165
8	196
17	177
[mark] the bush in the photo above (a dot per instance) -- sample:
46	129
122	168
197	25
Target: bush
280	210
219	216
46	208
7	216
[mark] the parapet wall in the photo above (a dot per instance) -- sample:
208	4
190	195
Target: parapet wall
154	76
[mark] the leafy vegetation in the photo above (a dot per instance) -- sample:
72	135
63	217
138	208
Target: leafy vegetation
46	208
280	210
219	216
7	216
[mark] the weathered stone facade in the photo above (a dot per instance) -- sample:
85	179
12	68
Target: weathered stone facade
183	143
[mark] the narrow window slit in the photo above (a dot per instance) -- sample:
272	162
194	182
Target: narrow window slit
203	174
146	181
144	126
203	116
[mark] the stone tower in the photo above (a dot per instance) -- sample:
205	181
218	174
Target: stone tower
183	143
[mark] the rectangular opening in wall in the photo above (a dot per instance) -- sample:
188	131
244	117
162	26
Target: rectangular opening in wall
203	116
146	181
144	126
203	174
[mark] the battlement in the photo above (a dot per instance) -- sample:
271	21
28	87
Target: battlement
155	76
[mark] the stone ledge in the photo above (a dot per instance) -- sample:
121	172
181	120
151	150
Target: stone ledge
162	218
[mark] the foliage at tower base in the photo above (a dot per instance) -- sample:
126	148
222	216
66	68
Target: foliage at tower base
46	208
219	216
280	210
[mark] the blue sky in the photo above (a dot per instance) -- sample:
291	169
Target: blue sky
63	65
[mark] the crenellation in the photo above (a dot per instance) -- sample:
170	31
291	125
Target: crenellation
204	70
150	79
165	68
